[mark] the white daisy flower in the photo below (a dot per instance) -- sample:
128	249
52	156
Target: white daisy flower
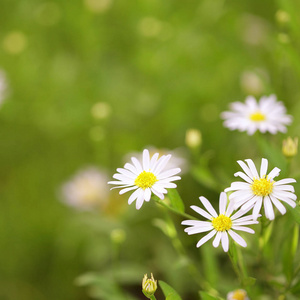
267	115
220	225
146	178
238	295
86	190
261	189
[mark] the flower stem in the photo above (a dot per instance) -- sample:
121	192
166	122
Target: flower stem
182	214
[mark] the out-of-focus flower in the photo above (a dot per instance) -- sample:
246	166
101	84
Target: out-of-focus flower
251	83
146	178
193	138
118	235
267	115
14	42
3	86
149	285
261	189
290	147
101	110
238	295
98	6
86	190
282	17
220	225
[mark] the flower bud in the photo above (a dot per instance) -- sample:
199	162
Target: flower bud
149	286
193	138
290	147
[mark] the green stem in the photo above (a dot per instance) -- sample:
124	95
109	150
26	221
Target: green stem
152	297
182	214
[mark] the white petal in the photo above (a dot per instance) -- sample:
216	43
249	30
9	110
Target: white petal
162	162
208	206
131	168
126	173
245	168
263	167
133	196
243	228
278	205
206	238
196	223
153	161
284	181
140	200
275	172
236	237
157	192
168	173
269	211
137	165
147	194
290	202
257	208
225	241
146	160
195	230
217	239
201	212
127	189
285	187
252	167
243	176
282	194
222	203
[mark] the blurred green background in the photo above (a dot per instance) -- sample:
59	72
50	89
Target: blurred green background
90	81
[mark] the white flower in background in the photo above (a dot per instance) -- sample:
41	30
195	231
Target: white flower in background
86	190
261	189
146	178
220	225
238	295
3	86
266	115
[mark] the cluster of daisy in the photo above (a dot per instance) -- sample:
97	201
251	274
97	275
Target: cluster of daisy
256	190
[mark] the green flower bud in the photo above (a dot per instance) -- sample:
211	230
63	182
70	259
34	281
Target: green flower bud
149	286
290	147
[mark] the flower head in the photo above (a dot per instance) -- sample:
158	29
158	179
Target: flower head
266	115
146	178
149	285
237	295
86	190
220	225
261	189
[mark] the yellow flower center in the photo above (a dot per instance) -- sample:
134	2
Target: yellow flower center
262	187
239	295
257	117
222	223
145	180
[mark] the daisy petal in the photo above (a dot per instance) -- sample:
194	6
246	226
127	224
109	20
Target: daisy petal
206	238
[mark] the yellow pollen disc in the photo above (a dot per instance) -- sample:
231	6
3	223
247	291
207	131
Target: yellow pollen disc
257	117
239	295
262	187
145	180
222	223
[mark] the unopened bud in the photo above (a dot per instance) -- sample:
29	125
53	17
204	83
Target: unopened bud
149	285
282	17
193	138
290	147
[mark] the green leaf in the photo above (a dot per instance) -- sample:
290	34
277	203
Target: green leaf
249	281
206	296
176	201
168	291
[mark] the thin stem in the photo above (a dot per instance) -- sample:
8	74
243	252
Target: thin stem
152	297
182	214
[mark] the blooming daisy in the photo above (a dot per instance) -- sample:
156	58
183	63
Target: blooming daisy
86	190
261	189
220	225
238	295
146	178
266	115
